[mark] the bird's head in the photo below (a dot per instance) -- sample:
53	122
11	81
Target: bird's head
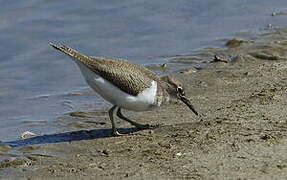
176	90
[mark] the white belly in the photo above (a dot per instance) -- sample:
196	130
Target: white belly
146	100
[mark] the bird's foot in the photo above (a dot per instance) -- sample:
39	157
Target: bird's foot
115	133
142	126
146	126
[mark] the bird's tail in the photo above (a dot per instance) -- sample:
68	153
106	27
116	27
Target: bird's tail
71	52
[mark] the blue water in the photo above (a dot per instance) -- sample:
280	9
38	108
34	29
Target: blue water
36	81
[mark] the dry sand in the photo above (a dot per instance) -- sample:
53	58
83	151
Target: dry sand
241	133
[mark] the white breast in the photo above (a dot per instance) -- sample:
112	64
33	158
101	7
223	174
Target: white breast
144	101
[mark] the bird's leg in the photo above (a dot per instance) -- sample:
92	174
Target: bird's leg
111	115
138	125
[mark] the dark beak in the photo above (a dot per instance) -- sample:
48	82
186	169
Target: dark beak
188	103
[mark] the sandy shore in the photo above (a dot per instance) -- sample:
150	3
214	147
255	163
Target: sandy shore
241	133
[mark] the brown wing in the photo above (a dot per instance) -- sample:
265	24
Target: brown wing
130	78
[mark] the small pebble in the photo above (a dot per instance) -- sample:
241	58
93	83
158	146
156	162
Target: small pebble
106	152
27	134
183	154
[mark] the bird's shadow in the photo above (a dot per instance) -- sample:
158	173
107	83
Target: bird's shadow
67	137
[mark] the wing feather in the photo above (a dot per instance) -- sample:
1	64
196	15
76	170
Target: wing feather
129	77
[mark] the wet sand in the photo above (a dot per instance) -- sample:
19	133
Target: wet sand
240	134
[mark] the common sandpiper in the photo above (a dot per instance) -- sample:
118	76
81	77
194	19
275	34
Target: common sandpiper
126	85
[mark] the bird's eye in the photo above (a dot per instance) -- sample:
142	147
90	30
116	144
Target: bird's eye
180	90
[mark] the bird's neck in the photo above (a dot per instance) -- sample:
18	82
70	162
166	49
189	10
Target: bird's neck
163	96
